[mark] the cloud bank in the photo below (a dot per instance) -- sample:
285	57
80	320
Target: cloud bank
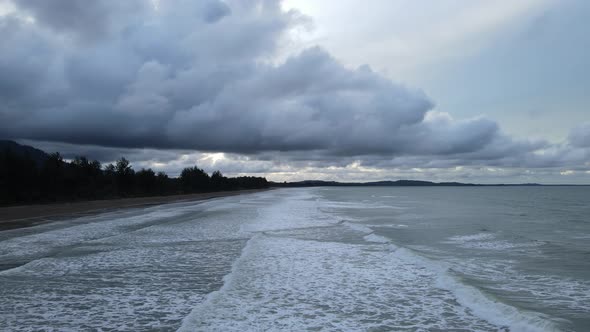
202	75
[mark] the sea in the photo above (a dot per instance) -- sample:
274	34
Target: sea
310	259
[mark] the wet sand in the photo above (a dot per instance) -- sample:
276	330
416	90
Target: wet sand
21	216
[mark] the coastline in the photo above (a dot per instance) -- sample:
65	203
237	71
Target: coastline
21	216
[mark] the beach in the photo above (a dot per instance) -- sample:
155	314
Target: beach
13	217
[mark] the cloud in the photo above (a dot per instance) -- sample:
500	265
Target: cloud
135	78
215	10
407	37
175	81
580	136
80	18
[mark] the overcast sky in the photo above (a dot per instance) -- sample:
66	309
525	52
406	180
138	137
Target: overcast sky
451	90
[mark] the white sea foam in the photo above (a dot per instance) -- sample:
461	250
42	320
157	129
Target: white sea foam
388	225
188	323
290	210
358	227
113	227
481	305
472	237
552	291
367	205
488	241
285	283
288	284
130	271
371	236
42	243
119	289
376	238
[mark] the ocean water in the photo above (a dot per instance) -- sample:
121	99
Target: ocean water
310	259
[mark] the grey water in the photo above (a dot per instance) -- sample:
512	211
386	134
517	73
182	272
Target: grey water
310	259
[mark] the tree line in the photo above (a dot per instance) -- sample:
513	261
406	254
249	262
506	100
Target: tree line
24	180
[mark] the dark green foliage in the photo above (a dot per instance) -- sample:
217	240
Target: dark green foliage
248	182
194	179
146	181
24	179
125	177
18	177
219	181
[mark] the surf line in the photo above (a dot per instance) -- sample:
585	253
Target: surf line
192	320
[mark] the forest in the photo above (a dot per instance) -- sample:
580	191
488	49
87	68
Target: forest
26	179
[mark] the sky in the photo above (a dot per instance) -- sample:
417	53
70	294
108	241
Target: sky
452	90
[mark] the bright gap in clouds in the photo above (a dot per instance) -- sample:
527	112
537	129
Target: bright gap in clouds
401	36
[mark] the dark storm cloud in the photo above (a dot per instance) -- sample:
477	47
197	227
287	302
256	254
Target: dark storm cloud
196	75
106	154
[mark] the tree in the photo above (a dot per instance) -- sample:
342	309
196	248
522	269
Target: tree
123	168
53	175
125	177
218	181
146	182
109	183
24	180
194	179
83	178
163	184
18	178
110	169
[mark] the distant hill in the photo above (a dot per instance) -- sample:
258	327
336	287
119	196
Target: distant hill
415	183
24	150
398	183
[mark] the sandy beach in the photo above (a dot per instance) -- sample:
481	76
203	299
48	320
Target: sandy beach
13	217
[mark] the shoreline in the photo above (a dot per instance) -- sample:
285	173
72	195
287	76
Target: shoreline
22	216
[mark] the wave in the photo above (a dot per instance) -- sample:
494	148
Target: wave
480	304
488	241
472	237
192	320
284	283
376	238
